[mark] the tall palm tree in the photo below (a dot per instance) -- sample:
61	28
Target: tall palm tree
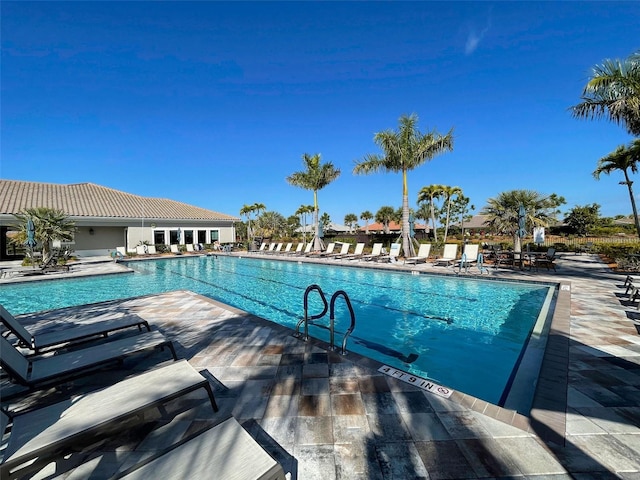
303	211
366	216
448	194
624	159
404	150
428	196
50	225
351	220
613	92
503	212
315	177
385	215
248	210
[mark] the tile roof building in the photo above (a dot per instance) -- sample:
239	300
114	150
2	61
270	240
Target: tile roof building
106	218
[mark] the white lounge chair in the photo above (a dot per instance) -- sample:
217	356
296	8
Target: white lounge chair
376	251
329	250
39	435
37	372
357	253
423	254
469	257
394	252
344	250
70	333
287	249
448	256
175	250
298	249
224	451
277	248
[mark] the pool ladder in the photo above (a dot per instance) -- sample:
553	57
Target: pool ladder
330	307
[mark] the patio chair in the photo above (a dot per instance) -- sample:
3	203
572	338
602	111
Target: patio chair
394	252
175	250
469	257
357	253
142	250
328	251
277	249
423	253
37	372
68	334
448	255
226	449
38	436
376	251
287	249
547	260
344	250
298	250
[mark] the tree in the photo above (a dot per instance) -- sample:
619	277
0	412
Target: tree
366	216
403	150
448	193
581	219
248	210
293	224
50	225
315	177
325	219
461	209
624	159
272	224
503	212
429	195
613	91
351	220
303	211
384	216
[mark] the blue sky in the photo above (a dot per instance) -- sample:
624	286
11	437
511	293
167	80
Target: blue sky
214	103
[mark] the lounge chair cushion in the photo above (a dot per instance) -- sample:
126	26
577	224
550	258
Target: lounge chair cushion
55	428
224	451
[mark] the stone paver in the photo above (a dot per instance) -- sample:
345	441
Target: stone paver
326	416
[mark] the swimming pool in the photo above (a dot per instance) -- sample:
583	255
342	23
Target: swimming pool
467	334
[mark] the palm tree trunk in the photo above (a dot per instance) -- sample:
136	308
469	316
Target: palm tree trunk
433	222
317	241
407	244
633	202
446	225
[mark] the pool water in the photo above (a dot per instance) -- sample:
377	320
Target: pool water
466	334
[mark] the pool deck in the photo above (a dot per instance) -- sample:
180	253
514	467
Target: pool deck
326	416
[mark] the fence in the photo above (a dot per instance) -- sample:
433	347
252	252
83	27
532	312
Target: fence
551	240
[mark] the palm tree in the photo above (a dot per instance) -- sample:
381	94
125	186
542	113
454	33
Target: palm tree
303	211
248	210
315	177
384	216
366	216
50	224
351	220
404	150
623	159
428	196
448	194
614	92
503	212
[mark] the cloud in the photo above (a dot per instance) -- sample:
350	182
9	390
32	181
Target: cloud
474	38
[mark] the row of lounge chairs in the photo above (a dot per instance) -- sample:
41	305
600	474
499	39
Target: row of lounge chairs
41	435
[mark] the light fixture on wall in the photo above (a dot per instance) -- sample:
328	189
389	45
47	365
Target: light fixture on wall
153	225
91	231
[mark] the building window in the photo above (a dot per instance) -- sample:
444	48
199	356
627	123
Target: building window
215	235
174	237
158	237
188	236
202	236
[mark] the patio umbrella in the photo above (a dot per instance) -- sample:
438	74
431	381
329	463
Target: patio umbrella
522	218
31	238
31	234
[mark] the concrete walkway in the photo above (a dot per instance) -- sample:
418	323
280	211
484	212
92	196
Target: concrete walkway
326	416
